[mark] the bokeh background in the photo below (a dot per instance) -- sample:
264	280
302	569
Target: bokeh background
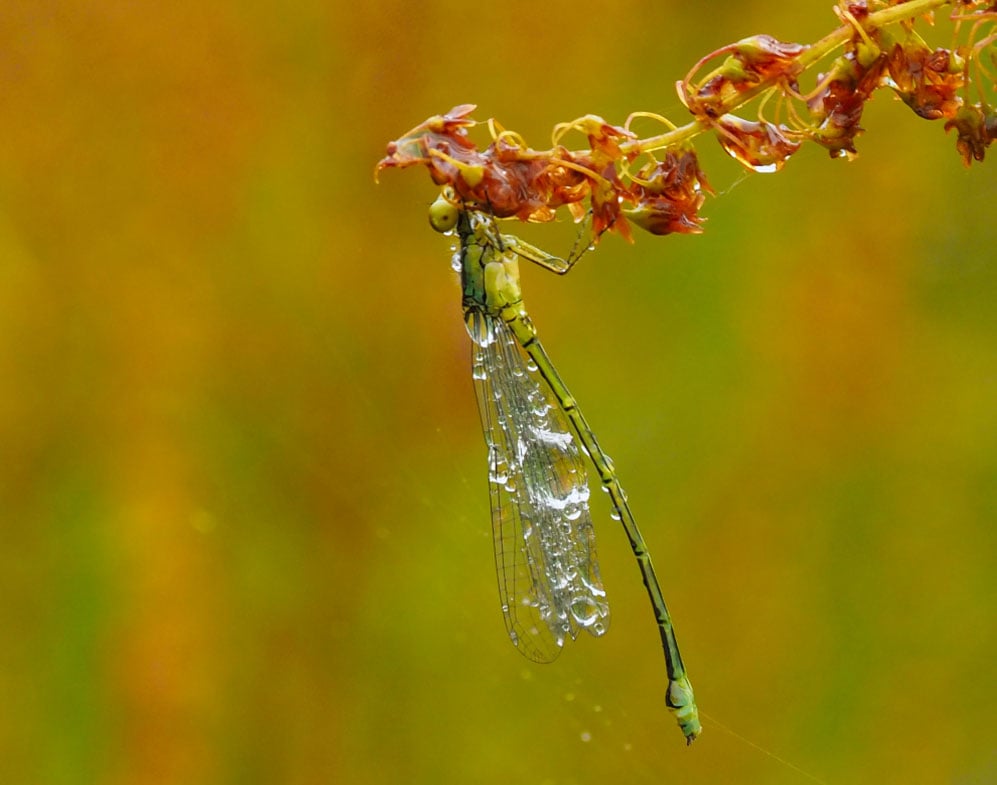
243	495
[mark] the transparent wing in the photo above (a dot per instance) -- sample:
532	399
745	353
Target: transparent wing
548	573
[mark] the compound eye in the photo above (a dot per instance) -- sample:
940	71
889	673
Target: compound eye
443	214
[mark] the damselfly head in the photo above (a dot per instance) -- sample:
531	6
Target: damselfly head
443	213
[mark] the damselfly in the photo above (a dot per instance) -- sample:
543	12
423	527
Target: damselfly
545	555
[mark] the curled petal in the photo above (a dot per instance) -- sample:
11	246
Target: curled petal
764	56
750	62
976	130
759	146
837	108
603	138
607	193
667	195
927	81
446	133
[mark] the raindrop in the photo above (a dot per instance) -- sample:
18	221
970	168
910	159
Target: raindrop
585	611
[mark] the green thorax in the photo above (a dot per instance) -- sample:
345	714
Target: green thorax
489	270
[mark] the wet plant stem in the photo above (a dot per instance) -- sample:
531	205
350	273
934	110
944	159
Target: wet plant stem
812	55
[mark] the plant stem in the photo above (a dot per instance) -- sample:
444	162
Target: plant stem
812	55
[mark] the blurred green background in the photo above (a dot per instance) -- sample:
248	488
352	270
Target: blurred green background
243	493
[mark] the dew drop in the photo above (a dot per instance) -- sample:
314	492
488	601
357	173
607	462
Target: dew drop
584	611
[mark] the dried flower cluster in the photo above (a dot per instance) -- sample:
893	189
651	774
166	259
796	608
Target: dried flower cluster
621	181
509	179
